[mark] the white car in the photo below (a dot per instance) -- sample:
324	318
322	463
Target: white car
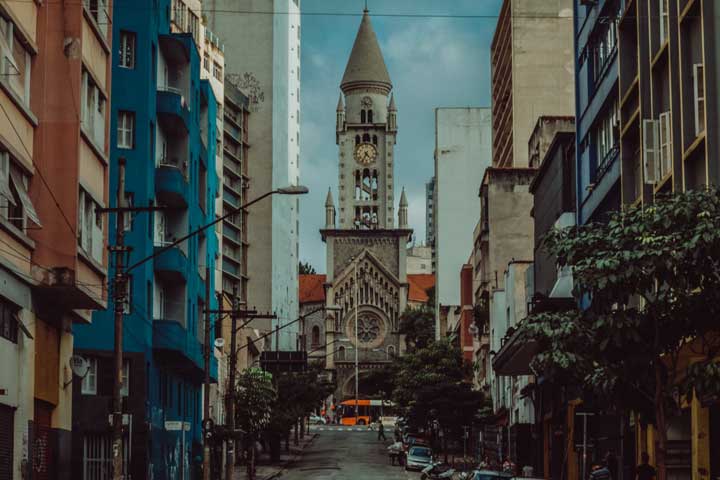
317	420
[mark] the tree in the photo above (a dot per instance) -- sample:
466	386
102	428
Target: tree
649	284
254	403
418	326
306	268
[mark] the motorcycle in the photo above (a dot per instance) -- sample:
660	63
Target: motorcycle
437	470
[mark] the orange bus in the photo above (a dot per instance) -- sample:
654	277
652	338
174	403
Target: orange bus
368	411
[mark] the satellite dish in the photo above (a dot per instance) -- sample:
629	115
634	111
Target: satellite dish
79	365
219	342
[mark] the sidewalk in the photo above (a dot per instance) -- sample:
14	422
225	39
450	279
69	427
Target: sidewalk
265	470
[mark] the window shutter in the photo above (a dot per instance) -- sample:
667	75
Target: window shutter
665	145
649	134
97	236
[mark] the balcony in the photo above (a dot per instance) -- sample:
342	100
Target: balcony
171	265
172	109
171	184
174	346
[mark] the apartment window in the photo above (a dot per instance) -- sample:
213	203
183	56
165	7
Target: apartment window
126	129
665	139
194	26
206	61
217	71
650	149
15	61
90	226
15	203
127	50
98	11
699	97
89	381
8	322
93	110
664	18
607	134
603	48
202	188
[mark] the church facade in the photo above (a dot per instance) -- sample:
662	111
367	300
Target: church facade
366	288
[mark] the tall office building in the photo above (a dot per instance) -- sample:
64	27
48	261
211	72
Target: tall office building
430	212
262	54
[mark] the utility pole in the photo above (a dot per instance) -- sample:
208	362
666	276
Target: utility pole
119	304
206	386
230	465
119	250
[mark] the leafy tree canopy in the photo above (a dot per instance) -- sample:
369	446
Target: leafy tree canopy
306	268
418	326
254	401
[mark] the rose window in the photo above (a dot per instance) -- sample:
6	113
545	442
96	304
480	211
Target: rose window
368	328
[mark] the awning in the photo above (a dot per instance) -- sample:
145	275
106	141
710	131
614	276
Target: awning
25	199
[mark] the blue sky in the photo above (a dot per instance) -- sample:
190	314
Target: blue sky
435	61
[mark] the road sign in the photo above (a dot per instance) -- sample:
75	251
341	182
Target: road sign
125	419
176	426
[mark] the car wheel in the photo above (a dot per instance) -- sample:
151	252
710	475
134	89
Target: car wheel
423	476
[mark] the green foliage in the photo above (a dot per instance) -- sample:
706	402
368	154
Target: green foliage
379	382
418	326
649	280
429	385
306	269
254	401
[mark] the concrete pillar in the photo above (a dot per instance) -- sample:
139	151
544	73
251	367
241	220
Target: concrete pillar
700	431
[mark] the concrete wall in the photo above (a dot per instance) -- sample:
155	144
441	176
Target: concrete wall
543	71
419	260
262	59
462	152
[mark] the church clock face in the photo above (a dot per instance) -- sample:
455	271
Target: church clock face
365	153
366	102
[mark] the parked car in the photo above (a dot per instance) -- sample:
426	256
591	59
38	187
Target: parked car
418	457
317	420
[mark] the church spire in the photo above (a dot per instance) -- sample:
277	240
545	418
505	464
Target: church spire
366	66
329	211
403	211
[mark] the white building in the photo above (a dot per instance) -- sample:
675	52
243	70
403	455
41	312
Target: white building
262	58
463	143
419	260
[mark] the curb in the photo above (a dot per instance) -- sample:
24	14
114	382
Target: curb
290	461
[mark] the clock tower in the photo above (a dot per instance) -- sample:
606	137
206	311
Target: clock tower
366	283
365	134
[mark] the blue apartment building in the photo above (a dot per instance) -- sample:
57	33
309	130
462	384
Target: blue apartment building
596	100
163	125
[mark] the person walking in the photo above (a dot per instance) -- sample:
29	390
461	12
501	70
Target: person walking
644	471
381	431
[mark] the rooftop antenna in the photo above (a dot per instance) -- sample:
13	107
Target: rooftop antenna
366	7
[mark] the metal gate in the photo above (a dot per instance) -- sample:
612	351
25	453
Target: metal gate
97	457
42	452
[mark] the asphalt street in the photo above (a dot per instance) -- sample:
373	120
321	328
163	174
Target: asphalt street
346	453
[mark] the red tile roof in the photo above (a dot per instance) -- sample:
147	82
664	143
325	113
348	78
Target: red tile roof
419	285
312	288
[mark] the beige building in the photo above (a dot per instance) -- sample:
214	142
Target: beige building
419	259
262	56
529	77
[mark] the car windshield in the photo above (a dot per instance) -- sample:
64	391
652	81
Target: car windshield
420	452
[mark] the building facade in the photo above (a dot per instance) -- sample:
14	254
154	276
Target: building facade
419	260
53	177
269	74
463	142
163	124
430	212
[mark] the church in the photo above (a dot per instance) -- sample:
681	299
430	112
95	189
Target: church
367	287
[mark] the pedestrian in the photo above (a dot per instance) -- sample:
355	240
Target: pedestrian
381	431
644	471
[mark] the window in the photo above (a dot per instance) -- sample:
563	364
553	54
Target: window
315	341
357	139
98	11
93	111
374	139
603	48
89	381
97	456
125	387
699	97
90	227
127	50
391	349
665	139
664	20
194	26
217	71
206	61
15	61
128	216
202	188
362	116
8	322
15	203
341	354
126	129
607	134
650	149
370	116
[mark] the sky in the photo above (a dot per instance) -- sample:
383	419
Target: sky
437	54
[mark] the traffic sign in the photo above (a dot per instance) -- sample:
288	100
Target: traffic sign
177	425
